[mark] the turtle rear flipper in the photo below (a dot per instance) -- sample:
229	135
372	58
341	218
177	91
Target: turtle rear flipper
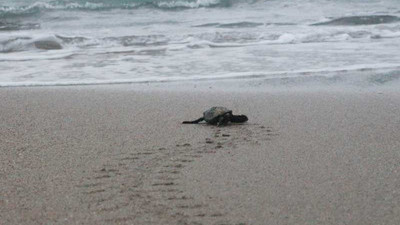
194	121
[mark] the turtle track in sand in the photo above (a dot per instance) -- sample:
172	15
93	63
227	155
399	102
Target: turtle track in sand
141	185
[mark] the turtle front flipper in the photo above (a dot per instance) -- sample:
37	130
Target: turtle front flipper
194	121
223	120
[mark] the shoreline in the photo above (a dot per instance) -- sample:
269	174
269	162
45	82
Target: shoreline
364	78
120	155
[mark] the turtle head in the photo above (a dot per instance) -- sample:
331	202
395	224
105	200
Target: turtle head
239	118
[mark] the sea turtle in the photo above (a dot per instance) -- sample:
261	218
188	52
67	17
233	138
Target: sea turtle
219	116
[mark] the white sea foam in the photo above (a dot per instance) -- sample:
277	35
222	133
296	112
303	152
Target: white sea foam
194	4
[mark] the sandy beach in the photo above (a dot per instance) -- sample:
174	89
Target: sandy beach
119	155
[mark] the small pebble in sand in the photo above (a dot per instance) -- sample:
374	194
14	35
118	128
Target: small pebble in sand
209	141
225	135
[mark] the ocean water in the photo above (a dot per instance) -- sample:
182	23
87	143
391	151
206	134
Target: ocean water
69	42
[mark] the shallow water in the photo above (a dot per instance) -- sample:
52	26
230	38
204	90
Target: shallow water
63	42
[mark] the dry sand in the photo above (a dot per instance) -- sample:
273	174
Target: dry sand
119	155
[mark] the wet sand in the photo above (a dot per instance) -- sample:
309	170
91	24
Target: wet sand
119	155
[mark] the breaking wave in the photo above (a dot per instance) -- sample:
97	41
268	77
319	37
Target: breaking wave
18	26
360	20
217	39
243	24
39	6
16	44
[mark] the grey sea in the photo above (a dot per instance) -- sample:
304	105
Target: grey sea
73	42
